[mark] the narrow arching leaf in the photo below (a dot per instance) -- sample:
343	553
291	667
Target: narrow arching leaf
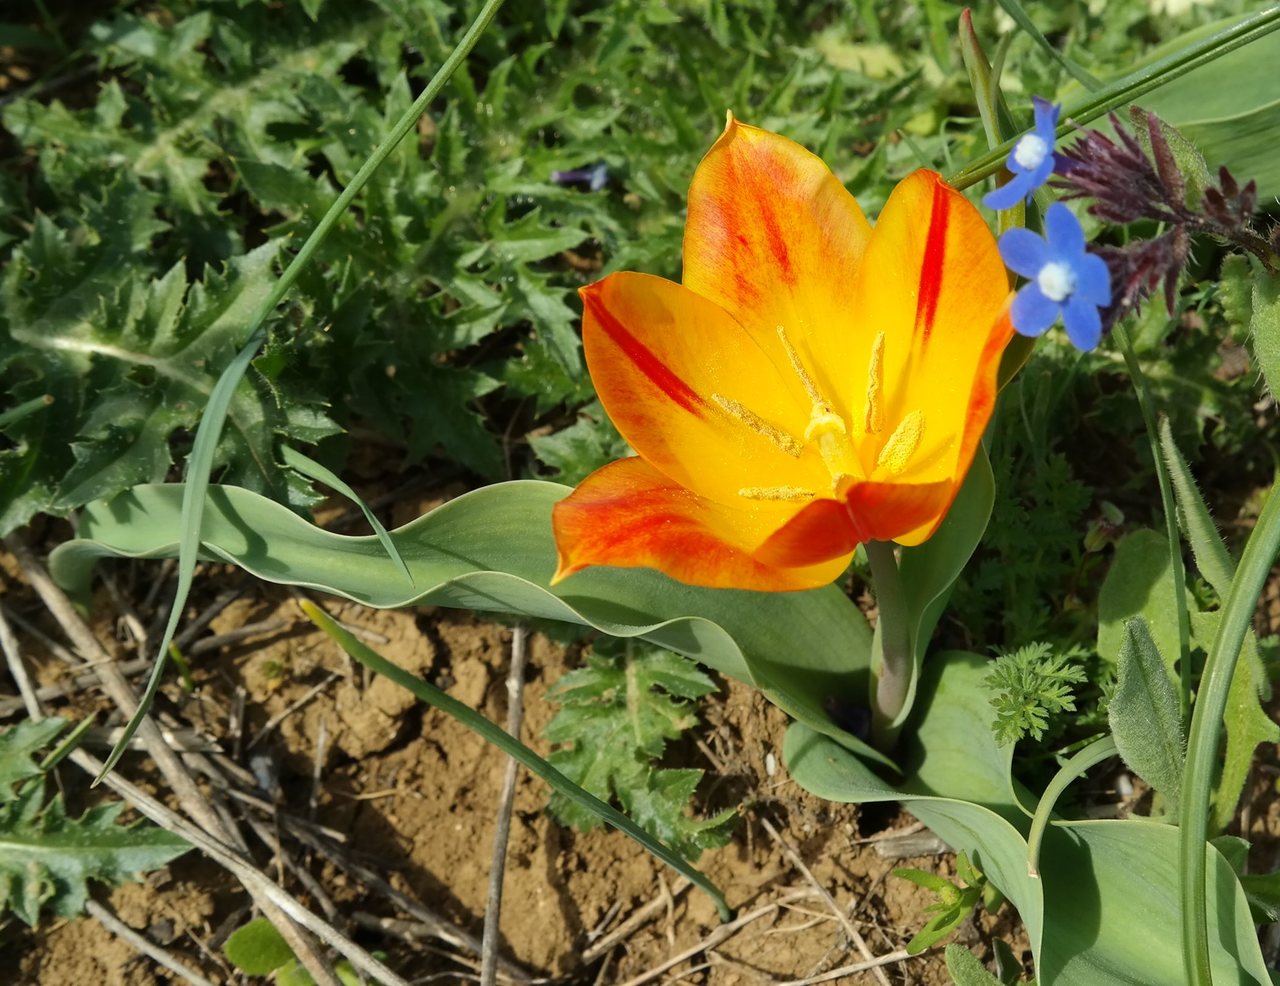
492	550
309	467
1144	714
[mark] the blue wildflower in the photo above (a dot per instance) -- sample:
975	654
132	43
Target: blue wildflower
1064	279
595	176
1031	159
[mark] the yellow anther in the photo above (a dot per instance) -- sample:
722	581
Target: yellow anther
792	494
875	388
902	444
777	436
810	387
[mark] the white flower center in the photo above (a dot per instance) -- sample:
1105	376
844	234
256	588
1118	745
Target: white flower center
1056	281
1030	152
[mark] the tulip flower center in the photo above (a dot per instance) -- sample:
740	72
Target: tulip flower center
828	433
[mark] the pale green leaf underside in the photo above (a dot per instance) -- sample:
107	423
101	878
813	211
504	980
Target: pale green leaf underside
491	550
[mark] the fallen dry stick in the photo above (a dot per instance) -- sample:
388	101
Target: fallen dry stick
845	922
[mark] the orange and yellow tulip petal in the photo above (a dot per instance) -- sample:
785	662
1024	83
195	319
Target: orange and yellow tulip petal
774	238
933	282
870	512
629	515
690	392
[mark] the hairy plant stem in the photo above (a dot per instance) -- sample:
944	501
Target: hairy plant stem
1260	552
1169	505
891	660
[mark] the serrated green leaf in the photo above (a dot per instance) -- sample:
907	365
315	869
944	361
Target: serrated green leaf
575	452
17	744
47	857
615	719
1144	714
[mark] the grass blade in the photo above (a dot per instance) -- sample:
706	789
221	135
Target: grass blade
314	470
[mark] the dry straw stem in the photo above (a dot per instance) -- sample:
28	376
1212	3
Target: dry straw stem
502	832
720	935
143	944
843	918
175	773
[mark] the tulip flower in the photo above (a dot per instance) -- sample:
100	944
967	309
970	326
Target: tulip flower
813	384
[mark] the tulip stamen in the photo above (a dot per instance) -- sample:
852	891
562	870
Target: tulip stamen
902	444
797	364
786	442
875	388
791	494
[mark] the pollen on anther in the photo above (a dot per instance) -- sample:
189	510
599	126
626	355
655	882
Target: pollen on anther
787	443
902	444
810	388
792	494
875	386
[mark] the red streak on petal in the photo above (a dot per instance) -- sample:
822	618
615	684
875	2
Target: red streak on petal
646	362
931	269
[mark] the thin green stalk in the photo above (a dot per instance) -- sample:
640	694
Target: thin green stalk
1133	85
200	462
1097	751
1169	505
1260	552
891	658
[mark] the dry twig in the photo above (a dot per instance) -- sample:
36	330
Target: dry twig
849	929
502	833
168	762
143	944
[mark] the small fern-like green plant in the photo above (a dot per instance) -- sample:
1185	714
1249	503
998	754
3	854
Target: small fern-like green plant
616	717
1028	686
46	856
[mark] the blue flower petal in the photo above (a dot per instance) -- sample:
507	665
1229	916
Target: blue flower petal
1093	280
1064	233
1046	114
1032	312
1008	195
1023	252
1084	324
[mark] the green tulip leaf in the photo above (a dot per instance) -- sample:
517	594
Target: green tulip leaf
1104	911
492	550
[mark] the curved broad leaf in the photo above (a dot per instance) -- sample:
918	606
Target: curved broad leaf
492	550
929	571
1105	911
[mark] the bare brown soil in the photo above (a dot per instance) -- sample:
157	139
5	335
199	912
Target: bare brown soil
413	795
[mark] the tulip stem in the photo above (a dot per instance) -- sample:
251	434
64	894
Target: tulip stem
891	658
